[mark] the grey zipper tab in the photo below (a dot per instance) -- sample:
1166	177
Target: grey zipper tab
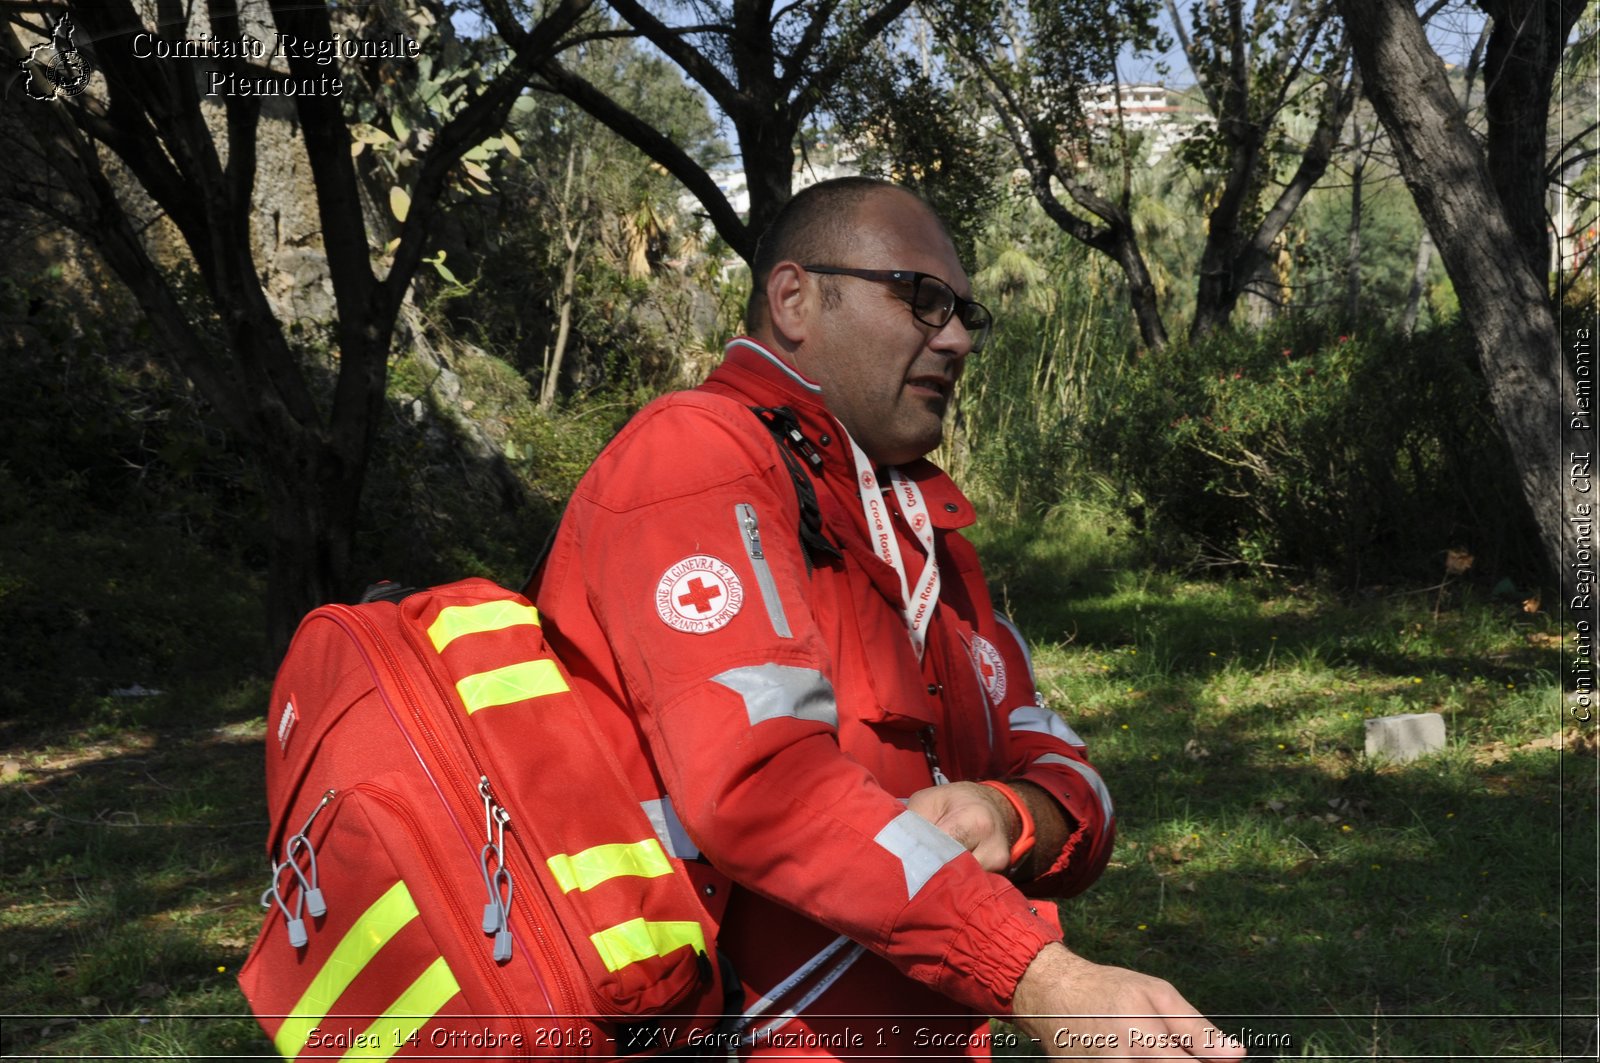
498	883
750	530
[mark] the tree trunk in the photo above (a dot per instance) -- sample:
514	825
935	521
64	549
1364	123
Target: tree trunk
768	73
1217	291
1352	259
1141	289
1115	238
558	352
1232	258
767	147
1503	297
1419	281
571	240
1524	52
312	500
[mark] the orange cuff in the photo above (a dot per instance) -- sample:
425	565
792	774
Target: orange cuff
1024	843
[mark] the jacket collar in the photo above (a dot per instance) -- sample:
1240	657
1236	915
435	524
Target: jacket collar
745	357
753	372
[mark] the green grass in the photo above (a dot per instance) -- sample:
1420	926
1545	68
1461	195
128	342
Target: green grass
1286	884
128	894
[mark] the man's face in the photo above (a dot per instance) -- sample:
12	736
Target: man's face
885	375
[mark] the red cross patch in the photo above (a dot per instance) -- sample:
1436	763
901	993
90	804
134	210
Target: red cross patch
991	668
698	595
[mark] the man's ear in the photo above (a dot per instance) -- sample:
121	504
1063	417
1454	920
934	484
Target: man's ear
790	296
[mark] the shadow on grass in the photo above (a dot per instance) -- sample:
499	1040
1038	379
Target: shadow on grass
1458	895
1265	866
129	878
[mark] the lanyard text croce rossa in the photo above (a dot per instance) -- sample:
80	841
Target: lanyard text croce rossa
917	599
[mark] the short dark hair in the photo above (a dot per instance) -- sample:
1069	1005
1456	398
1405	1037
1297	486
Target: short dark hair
811	228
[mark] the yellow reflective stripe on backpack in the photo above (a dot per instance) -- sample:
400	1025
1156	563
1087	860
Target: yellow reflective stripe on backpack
410	1011
590	867
513	683
640	939
457	620
382	920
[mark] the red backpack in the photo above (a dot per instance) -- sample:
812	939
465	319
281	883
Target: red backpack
459	867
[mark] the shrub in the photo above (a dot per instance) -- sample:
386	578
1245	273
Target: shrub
130	519
1358	456
469	476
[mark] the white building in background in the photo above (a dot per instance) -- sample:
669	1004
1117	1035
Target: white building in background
1144	106
733	184
1146	109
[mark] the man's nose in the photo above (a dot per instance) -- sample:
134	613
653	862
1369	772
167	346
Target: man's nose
953	339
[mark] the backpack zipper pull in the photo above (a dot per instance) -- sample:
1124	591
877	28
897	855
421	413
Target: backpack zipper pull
497	883
309	898
314	902
493	918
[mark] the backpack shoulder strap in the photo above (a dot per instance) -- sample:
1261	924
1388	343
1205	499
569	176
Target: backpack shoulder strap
794	448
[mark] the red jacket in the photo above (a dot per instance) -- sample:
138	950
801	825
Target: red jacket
773	714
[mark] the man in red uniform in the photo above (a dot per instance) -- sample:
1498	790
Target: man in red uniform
762	591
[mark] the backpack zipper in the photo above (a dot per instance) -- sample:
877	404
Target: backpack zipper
489	973
467	793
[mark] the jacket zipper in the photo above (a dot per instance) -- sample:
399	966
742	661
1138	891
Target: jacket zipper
750	528
930	751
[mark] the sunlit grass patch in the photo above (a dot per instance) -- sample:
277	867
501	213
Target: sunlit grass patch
1265	864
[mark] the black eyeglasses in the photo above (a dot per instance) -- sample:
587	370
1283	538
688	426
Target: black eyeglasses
932	301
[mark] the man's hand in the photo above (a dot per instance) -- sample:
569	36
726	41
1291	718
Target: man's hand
1075	1008
978	817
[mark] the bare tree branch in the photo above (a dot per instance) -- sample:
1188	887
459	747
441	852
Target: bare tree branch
693	62
654	143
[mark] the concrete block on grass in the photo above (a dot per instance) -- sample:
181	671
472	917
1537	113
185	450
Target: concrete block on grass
1408	736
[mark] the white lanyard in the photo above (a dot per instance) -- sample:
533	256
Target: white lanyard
918	601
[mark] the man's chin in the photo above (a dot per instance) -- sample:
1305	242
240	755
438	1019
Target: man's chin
924	446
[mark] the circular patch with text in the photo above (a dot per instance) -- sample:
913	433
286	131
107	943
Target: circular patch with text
698	595
991	668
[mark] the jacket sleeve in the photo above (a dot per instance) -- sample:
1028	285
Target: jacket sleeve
694	570
1045	751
